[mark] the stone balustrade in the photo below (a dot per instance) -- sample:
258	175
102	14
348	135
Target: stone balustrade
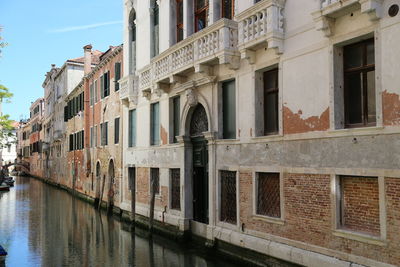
128	88
216	44
262	24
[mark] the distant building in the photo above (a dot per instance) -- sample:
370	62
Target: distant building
8	151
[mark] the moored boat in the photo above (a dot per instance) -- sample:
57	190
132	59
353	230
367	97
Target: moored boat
3	254
4	187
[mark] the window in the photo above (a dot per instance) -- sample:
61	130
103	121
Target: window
175	118
96	92
200	14
271	100
359	204
175	189
105	84
268	195
155	124
95	135
229	110
117	69
155	176
116	131
228	197
104	133
91	137
71	142
179	20
155	31
359	84
91	89
132	128
228	9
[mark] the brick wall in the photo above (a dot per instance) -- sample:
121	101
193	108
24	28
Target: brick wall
308	216
143	189
360	204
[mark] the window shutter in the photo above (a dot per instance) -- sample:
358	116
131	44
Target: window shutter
117	68
108	83
102	86
66	113
132	128
229	110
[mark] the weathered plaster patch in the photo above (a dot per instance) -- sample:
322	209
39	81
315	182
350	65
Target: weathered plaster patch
391	108
293	123
164	136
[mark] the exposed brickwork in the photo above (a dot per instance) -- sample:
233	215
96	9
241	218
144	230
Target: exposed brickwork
293	123
308	216
391	108
143	185
360	204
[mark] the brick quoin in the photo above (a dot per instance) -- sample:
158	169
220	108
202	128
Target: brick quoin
308	215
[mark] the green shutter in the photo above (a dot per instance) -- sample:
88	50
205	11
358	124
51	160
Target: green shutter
102	86
132	128
155	124
176	119
229	110
116	131
117	68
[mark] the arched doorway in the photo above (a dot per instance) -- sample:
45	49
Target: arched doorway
199	125
110	194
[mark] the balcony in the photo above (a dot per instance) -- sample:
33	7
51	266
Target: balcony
332	9
262	25
128	88
216	44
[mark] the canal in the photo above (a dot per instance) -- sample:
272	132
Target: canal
44	226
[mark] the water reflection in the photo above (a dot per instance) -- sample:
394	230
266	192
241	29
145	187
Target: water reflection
43	226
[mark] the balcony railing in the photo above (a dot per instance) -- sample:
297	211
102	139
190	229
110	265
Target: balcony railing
128	88
262	24
216	44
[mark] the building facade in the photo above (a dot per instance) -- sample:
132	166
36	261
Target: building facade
270	125
36	137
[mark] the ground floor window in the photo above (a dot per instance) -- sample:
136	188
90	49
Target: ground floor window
228	197
359	204
268	194
155	176
176	189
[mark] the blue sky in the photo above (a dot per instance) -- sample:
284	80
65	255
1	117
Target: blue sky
43	32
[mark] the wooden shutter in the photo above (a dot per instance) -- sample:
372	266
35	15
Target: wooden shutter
132	128
229	110
102	86
117	68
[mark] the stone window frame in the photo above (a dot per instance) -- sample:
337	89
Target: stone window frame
159	193
218	200
175	212
257	216
336	212
258	89
220	119
336	79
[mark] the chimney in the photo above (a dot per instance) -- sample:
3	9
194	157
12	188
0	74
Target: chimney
88	59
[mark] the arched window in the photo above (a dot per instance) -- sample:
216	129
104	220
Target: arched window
132	42
155	18
179	20
200	14
228	9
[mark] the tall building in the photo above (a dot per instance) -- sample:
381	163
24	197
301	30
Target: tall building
271	125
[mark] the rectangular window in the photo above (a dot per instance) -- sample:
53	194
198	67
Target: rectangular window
229	110
104	133
155	176
102	86
228	197
175	189
179	20
359	204
359	84
71	142
117	69
176	109
91	137
200	14
268	195
228	9
96	134
155	30
91	94
116	131
96	92
271	100
132	128
155	124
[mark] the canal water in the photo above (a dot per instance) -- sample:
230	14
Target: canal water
43	226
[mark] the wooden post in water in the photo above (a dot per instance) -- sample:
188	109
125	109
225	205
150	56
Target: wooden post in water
132	179
152	202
